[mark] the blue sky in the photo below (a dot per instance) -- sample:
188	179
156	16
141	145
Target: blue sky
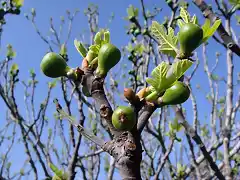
30	49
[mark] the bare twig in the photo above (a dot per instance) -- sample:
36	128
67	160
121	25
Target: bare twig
190	131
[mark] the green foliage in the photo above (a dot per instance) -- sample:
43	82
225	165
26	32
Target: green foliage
14	68
175	125
204	131
180	170
22	172
222	100
63	50
59	173
234	2
132	12
209	30
136	50
194	19
80	48
10	52
159	77
184	15
168	41
237	18
18	3
9	164
214	77
52	84
101	37
219	155
164	75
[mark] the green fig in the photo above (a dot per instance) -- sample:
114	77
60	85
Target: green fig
189	36
108	56
124	118
178	93
53	65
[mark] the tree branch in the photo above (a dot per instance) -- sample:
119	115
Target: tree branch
190	131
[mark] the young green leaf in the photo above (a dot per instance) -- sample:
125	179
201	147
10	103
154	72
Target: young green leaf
95	48
98	38
164	75
106	37
14	67
184	15
80	48
10	52
209	31
58	172
176	125
205	27
130	12
63	50
168	41
18	3
180	23
194	19
178	69
234	2
158	77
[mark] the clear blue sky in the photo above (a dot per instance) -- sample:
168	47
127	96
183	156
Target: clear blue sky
30	49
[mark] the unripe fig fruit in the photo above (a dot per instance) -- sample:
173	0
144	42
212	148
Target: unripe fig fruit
53	65
124	118
108	56
178	93
190	35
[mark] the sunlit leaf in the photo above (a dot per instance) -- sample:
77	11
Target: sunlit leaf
164	75
158	76
63	50
168	41
80	48
18	3
178	69
106	37
234	2
14	67
10	52
130	11
98	38
184	15
209	31
194	19
180	23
